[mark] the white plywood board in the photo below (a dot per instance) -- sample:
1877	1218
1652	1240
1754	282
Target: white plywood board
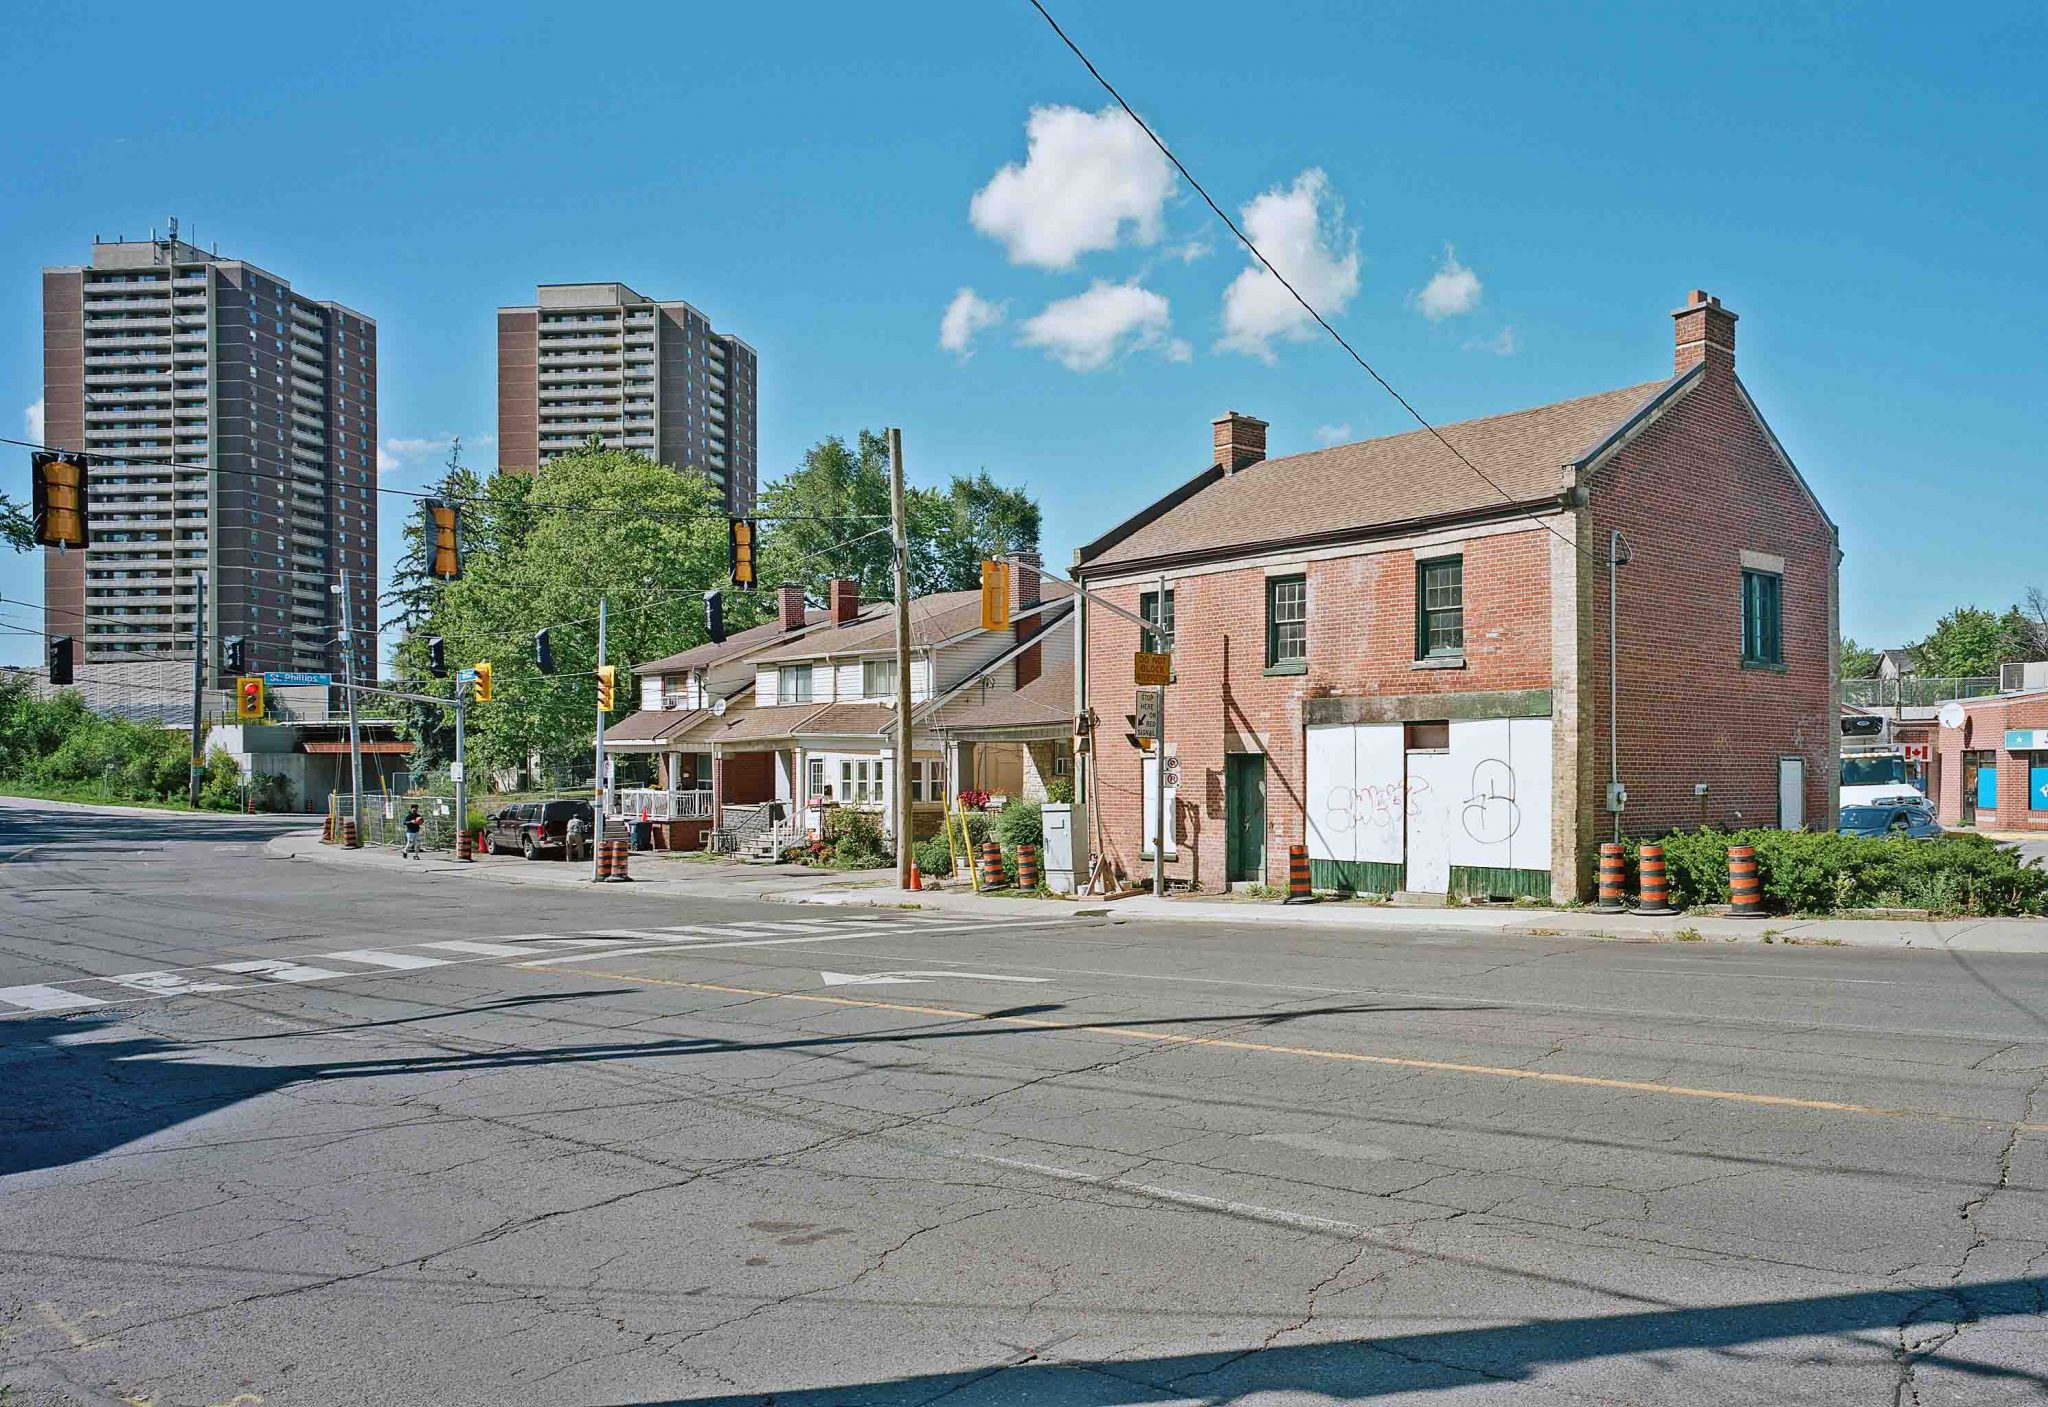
1332	772
1501	788
1432	807
1382	800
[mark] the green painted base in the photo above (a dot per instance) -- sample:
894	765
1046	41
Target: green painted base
1357	876
1480	881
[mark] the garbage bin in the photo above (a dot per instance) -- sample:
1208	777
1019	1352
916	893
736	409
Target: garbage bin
643	835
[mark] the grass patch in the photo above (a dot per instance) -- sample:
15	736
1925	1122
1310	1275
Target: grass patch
93	796
1687	934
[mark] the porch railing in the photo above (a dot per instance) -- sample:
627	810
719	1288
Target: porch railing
630	803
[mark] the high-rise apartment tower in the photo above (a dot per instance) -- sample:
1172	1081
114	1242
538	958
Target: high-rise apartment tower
599	359
232	429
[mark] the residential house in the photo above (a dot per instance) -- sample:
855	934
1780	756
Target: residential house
1397	655
796	719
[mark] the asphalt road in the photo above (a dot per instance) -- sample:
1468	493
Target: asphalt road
348	1136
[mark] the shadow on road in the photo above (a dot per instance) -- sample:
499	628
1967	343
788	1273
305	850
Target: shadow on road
74	830
1359	1370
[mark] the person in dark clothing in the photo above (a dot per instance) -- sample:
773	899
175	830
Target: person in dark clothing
414	823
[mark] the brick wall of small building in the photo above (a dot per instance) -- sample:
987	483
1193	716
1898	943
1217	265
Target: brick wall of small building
1361	641
1691	494
1984	731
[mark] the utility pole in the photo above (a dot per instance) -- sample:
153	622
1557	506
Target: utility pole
901	536
461	772
198	681
355	737
603	791
1159	772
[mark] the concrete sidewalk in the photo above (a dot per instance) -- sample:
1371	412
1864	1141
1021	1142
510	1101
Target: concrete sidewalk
794	884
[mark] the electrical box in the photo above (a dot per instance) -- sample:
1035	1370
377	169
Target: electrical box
1065	846
1617	797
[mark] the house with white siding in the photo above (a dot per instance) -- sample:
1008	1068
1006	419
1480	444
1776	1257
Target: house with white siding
760	739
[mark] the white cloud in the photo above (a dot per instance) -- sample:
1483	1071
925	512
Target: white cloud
1334	434
32	422
1501	344
967	315
1194	249
1309	245
401	452
1454	290
1092	329
1085	177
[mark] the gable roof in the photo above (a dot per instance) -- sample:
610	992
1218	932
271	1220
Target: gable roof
1046	701
933	619
1396	479
731	648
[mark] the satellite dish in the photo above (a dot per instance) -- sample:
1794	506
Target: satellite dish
718	708
1953	714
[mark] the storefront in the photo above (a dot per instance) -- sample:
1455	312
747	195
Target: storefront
1992	763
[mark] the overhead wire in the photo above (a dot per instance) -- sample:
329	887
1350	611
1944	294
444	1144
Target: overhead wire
1293	292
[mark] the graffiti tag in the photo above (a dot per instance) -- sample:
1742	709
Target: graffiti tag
1490	814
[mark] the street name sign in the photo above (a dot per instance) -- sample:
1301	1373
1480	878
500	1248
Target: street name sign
283	679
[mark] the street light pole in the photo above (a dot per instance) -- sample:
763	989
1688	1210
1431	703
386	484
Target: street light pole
599	787
1159	771
355	737
900	533
198	682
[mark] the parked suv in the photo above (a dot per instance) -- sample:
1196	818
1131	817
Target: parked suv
537	828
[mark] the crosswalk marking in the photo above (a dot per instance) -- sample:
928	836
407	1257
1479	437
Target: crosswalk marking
170	984
39	998
482	950
373	957
407	956
277	970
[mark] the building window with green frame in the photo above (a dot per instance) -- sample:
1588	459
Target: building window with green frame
1158	639
1763	619
1286	624
1440	608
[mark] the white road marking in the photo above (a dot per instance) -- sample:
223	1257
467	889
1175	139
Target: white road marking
374	957
482	950
657	935
913	978
39	998
277	970
170	984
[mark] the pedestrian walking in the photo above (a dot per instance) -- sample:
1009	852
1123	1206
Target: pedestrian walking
414	822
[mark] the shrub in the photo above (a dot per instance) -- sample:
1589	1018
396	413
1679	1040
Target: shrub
1060	790
1821	872
856	839
1020	822
934	860
220	784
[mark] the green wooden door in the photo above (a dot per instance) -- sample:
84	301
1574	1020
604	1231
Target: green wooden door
1244	817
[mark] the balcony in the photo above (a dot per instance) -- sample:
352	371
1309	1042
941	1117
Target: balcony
654	804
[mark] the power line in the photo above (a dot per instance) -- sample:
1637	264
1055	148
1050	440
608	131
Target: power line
1307	307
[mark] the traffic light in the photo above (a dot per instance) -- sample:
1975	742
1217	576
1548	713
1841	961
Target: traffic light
714	616
444	540
233	655
482	692
543	651
249	697
57	500
995	595
60	659
607	678
743	571
437	657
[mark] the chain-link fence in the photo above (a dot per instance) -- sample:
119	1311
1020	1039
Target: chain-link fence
384	814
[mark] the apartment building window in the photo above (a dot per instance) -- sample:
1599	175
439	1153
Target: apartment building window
1158	639
878	679
1440	608
1287	624
793	684
1763	623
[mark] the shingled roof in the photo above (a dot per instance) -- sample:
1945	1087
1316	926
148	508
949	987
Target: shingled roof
1378	483
732	647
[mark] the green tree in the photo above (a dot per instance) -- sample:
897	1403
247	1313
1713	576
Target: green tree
1970	640
594	523
1857	662
17	529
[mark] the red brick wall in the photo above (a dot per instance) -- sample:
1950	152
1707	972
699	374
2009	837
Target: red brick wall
1361	641
1984	731
1690	494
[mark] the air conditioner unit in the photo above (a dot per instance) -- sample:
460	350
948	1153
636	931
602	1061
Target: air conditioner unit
2025	674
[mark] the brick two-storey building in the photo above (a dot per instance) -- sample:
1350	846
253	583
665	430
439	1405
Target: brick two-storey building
1400	657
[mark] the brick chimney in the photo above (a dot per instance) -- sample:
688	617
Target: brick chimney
1240	441
845	600
1706	333
791	601
1024	576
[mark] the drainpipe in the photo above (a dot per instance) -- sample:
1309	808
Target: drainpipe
1617	557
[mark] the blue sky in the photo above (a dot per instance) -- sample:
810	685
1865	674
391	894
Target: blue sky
1866	186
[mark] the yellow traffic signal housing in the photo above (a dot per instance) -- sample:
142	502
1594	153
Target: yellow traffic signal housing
57	500
482	693
249	697
995	595
607	680
744	571
444	540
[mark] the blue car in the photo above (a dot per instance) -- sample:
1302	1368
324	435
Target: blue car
1913	819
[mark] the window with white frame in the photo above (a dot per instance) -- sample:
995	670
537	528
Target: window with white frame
878	679
927	779
860	780
814	778
793	684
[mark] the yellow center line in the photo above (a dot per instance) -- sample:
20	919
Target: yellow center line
1406	1062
